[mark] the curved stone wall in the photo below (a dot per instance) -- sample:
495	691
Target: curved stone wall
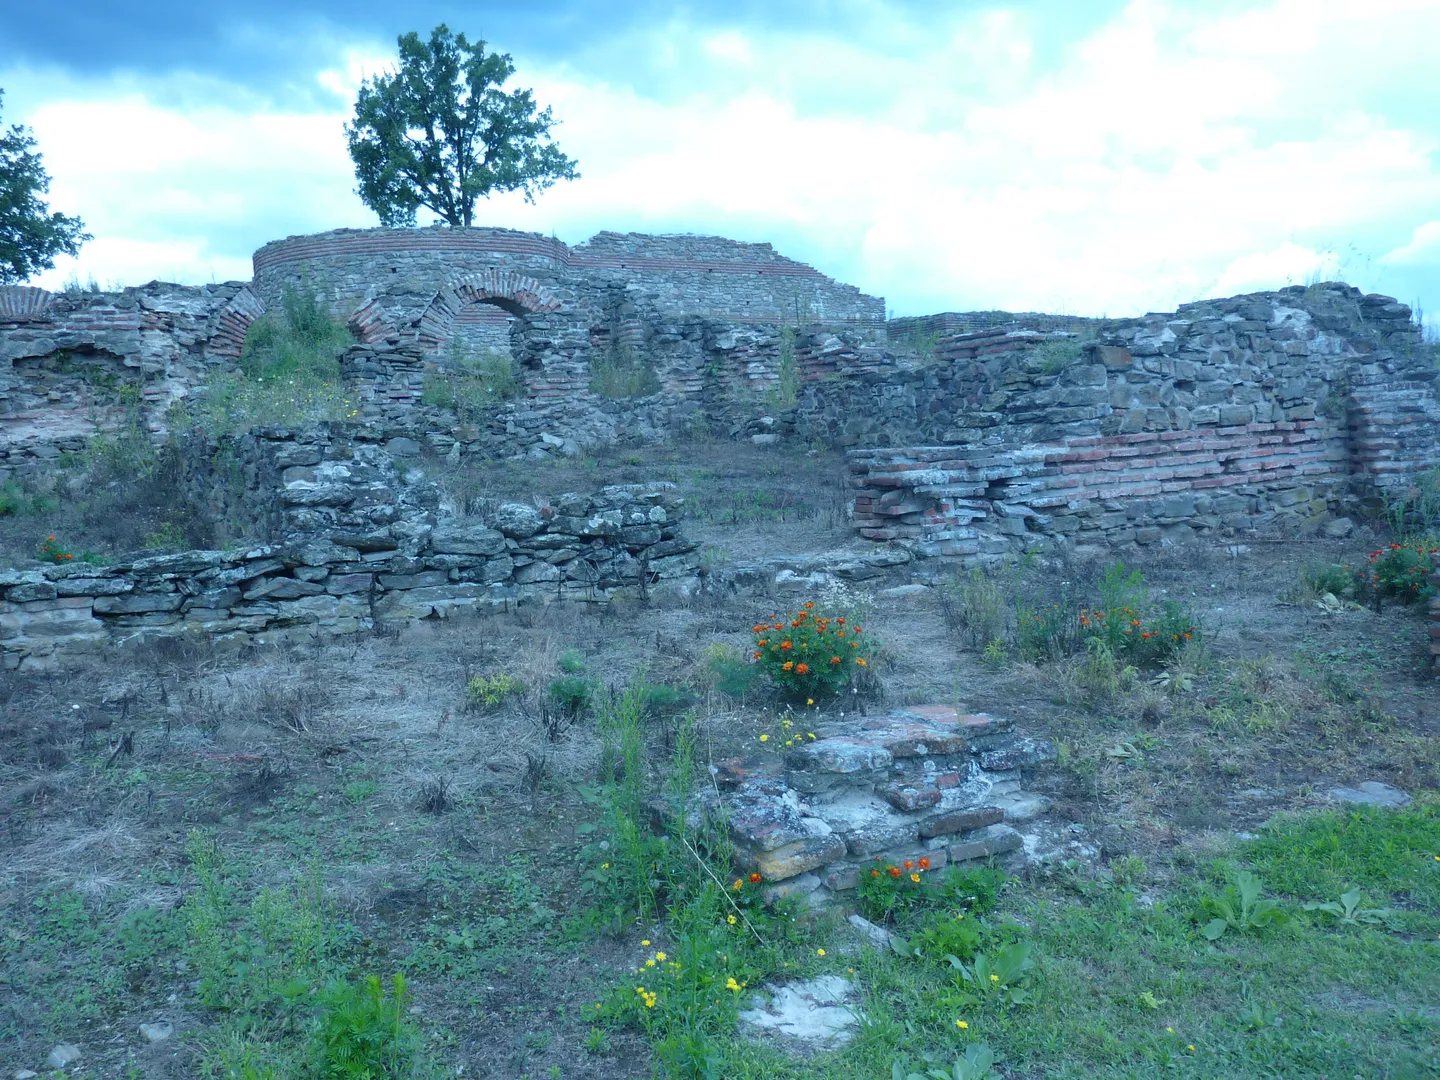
400	274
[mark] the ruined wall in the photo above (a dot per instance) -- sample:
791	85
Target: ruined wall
1225	416
75	363
399	272
622	540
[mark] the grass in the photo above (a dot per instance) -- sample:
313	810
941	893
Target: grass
622	374
472	382
304	771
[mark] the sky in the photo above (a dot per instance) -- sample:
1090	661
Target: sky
1090	158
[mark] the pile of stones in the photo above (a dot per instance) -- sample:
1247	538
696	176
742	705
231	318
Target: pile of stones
920	782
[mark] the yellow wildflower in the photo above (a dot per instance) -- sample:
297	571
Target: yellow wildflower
661	956
819	952
962	1025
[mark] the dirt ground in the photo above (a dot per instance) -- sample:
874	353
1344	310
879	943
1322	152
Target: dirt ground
449	839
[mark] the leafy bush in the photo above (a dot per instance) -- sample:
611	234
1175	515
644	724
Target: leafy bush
809	654
289	374
974	603
886	889
571	662
1400	572
14	499
1322	578
53	552
1129	625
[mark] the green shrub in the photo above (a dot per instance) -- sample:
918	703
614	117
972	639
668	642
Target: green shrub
1321	578
886	889
571	693
364	1032
289	374
14	499
810	654
1053	357
571	661
1129	625
974	604
52	551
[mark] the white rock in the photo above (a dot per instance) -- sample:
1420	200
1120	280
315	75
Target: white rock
1371	793
817	1012
1022	805
877	935
25	1074
158	1031
63	1055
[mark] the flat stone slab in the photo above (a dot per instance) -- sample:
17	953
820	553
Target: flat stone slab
1371	793
818	1014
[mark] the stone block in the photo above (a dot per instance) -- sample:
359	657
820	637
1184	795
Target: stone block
345	584
40	590
911	797
82	586
961	821
909	739
840	754
469	541
992	840
138	603
798	857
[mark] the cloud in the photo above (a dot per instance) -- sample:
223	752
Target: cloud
1423	248
1162	154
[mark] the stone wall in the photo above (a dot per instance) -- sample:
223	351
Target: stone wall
622	540
72	364
1253	412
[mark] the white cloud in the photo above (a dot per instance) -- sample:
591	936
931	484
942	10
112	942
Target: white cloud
1423	248
1169	155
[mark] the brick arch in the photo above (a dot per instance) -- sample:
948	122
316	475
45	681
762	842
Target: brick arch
518	294
231	322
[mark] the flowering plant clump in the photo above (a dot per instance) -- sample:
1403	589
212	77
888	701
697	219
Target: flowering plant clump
1148	638
1401	571
50	551
886	887
810	654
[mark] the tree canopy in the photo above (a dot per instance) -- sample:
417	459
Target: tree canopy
440	133
30	236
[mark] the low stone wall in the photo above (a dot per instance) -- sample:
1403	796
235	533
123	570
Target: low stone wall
1435	621
924	782
624	540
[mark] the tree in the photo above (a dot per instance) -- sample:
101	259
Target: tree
440	133
30	236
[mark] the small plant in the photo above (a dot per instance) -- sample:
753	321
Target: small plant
995	654
785	391
1348	910
727	670
364	1031
571	693
973	604
1054	356
490	691
473	381
998	974
949	935
809	654
975	888
1240	908
1321	579
52	552
977	1064
357	791
571	662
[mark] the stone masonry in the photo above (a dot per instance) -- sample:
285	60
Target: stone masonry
923	781
364	572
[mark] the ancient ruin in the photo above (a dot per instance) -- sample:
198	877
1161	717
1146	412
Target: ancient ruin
969	436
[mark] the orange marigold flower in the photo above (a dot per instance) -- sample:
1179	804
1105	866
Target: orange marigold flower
874	873
758	628
778	626
802	669
834	660
754	878
1187	635
788	665
756	656
925	863
861	661
909	864
894	871
809	605
763	641
841	620
787	645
